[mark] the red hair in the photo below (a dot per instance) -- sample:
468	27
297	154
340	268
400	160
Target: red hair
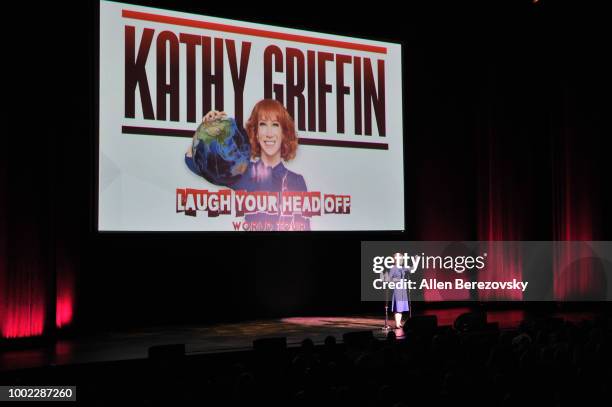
273	110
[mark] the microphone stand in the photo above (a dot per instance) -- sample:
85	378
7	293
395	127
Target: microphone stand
386	327
409	302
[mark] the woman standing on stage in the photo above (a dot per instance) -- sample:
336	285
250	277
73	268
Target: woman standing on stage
400	302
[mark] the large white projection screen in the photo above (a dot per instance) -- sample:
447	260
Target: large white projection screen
323	149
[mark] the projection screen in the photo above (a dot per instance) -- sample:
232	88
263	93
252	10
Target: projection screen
209	124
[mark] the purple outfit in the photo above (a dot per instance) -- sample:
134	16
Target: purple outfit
259	177
399	302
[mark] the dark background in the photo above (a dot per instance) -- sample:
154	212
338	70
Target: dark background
506	112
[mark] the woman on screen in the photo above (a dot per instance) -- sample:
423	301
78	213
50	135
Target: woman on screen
273	140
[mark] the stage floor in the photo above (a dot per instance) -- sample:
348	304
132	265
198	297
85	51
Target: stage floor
134	344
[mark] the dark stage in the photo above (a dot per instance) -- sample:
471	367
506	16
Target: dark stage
130	344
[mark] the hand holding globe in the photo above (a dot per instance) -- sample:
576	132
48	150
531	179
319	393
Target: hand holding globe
210	116
220	151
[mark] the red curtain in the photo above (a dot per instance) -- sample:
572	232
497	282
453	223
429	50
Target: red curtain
23	263
576	213
501	214
65	284
36	259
